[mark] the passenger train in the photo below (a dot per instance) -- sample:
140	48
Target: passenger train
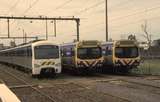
122	55
37	57
82	56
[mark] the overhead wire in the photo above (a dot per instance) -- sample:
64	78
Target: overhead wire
120	4
137	12
14	5
31	6
89	8
62	5
130	23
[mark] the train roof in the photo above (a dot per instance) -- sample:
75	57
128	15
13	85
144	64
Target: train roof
115	41
30	44
74	43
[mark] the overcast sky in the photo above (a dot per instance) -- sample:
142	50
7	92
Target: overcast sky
125	17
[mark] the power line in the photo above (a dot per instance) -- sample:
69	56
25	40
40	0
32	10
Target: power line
138	21
14	5
62	5
136	13
31	6
89	8
120	4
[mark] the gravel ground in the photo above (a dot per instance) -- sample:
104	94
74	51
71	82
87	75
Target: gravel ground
89	88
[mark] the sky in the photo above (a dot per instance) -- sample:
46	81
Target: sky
124	17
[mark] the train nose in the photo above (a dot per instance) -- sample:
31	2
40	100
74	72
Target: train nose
125	62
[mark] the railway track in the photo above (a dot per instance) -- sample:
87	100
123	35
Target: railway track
23	84
73	89
57	92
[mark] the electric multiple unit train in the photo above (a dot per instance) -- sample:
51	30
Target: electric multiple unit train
122	55
37	57
42	57
82	56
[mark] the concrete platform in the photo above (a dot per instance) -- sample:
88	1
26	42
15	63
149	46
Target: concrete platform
6	95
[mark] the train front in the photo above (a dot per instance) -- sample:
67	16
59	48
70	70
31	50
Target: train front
89	56
126	55
46	59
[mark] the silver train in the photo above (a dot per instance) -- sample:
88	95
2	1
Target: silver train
37	57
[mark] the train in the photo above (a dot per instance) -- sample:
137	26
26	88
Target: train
37	57
121	55
82	56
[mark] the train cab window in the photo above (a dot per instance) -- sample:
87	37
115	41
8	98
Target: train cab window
46	52
126	52
89	53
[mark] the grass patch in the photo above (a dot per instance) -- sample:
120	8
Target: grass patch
150	67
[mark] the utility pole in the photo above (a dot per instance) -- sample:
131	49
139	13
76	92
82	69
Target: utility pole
78	24
55	28
41	18
8	28
46	29
106	20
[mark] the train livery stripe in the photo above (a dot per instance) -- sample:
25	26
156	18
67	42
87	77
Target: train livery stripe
89	63
48	63
126	62
85	63
122	62
95	63
43	63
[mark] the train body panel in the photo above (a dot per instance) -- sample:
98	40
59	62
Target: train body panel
82	55
36	57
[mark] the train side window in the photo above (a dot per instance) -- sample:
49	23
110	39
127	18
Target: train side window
29	51
67	52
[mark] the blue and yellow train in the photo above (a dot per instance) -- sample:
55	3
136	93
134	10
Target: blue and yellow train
82	56
122	55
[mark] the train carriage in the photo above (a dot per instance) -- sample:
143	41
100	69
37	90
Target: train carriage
122	55
37	57
82	56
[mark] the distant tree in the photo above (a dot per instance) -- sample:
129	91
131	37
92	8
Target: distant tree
132	37
146	35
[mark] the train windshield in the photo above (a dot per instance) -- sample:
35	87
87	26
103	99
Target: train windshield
89	53
46	52
126	52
